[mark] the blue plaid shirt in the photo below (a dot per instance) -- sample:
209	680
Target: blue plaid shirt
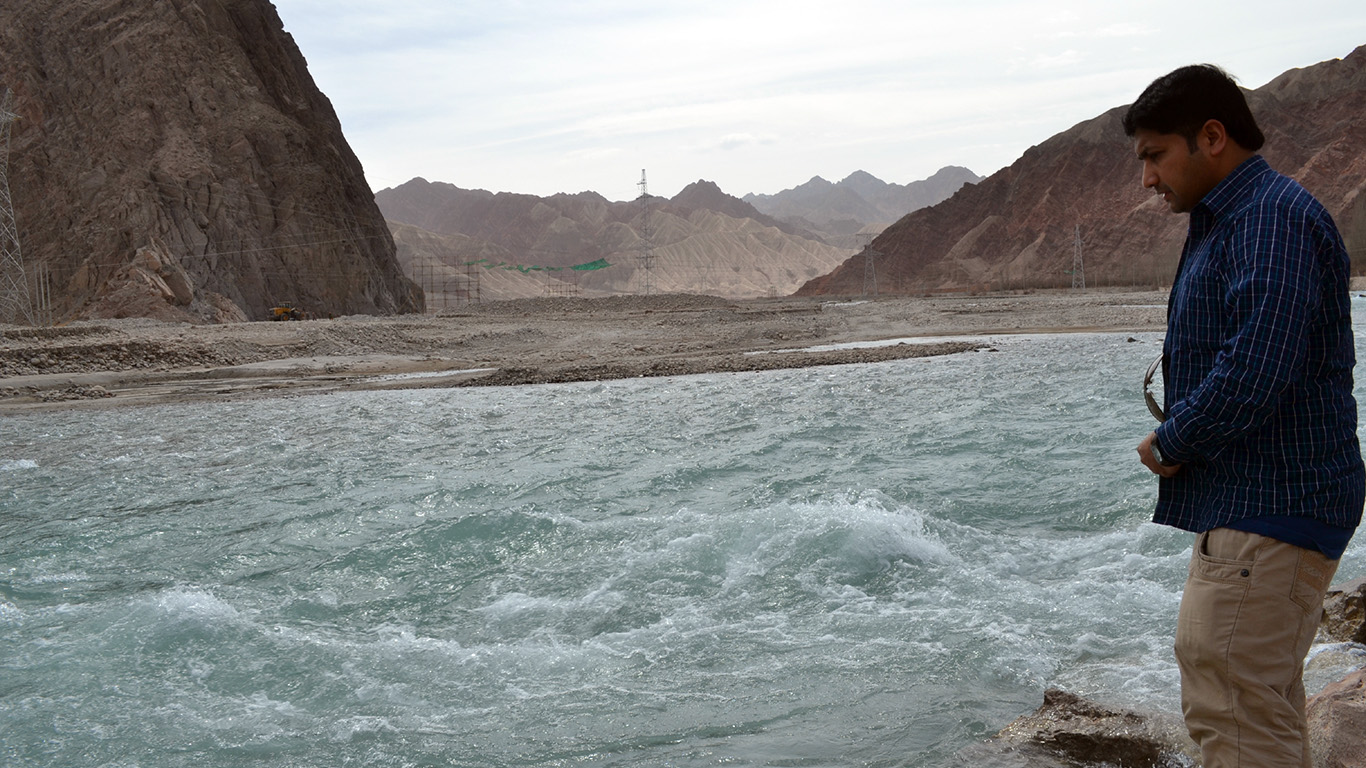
1257	363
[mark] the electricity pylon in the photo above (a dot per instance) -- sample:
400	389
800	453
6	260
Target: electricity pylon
15	306
647	253
1078	271
864	239
869	272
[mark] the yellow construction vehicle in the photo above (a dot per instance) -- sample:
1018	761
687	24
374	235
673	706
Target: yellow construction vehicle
285	312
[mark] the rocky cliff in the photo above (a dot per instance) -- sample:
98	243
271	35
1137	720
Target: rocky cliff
1080	191
466	245
174	159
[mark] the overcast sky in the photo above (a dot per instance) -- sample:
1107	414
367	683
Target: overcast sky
547	96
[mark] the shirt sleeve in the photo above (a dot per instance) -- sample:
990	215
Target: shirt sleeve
1274	290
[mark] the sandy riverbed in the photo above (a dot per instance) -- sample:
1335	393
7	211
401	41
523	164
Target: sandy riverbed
135	361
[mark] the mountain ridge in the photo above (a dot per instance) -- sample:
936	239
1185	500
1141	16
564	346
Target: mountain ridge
1079	191
860	203
465	245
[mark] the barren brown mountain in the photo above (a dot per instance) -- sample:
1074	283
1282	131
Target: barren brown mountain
174	159
1020	228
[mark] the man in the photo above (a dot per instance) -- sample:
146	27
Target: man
1258	455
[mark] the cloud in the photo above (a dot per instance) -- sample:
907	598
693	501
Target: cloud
540	97
735	141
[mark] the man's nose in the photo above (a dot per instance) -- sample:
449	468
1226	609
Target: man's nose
1149	176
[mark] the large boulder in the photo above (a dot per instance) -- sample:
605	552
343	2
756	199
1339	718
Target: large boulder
1337	723
1344	612
1068	731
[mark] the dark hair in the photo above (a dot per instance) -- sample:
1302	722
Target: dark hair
1182	101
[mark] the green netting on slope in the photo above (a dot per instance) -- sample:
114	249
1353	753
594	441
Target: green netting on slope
590	266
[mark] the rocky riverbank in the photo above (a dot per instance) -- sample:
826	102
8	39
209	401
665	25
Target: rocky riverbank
1068	731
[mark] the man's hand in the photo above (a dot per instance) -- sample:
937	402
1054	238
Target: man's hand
1145	455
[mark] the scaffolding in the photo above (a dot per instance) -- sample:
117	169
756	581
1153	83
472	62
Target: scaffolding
445	286
472	273
558	289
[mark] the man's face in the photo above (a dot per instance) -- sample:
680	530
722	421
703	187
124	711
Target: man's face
1172	170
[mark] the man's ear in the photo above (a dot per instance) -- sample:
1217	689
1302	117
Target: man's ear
1213	137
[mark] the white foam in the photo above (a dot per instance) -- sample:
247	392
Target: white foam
16	465
1341	650
516	605
349	728
1329	662
404	639
428	374
59	578
195	604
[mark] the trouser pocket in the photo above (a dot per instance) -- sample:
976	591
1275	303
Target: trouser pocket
1216	589
1313	574
1220	556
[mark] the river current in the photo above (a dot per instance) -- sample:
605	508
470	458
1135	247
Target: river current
866	565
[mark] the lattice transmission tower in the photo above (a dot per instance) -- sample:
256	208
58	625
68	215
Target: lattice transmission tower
647	248
1078	272
15	305
869	268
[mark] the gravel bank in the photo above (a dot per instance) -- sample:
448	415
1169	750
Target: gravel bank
520	342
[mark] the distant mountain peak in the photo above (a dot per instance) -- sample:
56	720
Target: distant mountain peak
952	170
861	202
702	186
704	194
859	177
707	195
866	184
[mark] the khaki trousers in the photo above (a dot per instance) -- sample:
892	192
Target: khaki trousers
1249	613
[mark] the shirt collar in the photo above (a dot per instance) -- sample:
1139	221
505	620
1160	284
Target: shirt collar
1226	193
